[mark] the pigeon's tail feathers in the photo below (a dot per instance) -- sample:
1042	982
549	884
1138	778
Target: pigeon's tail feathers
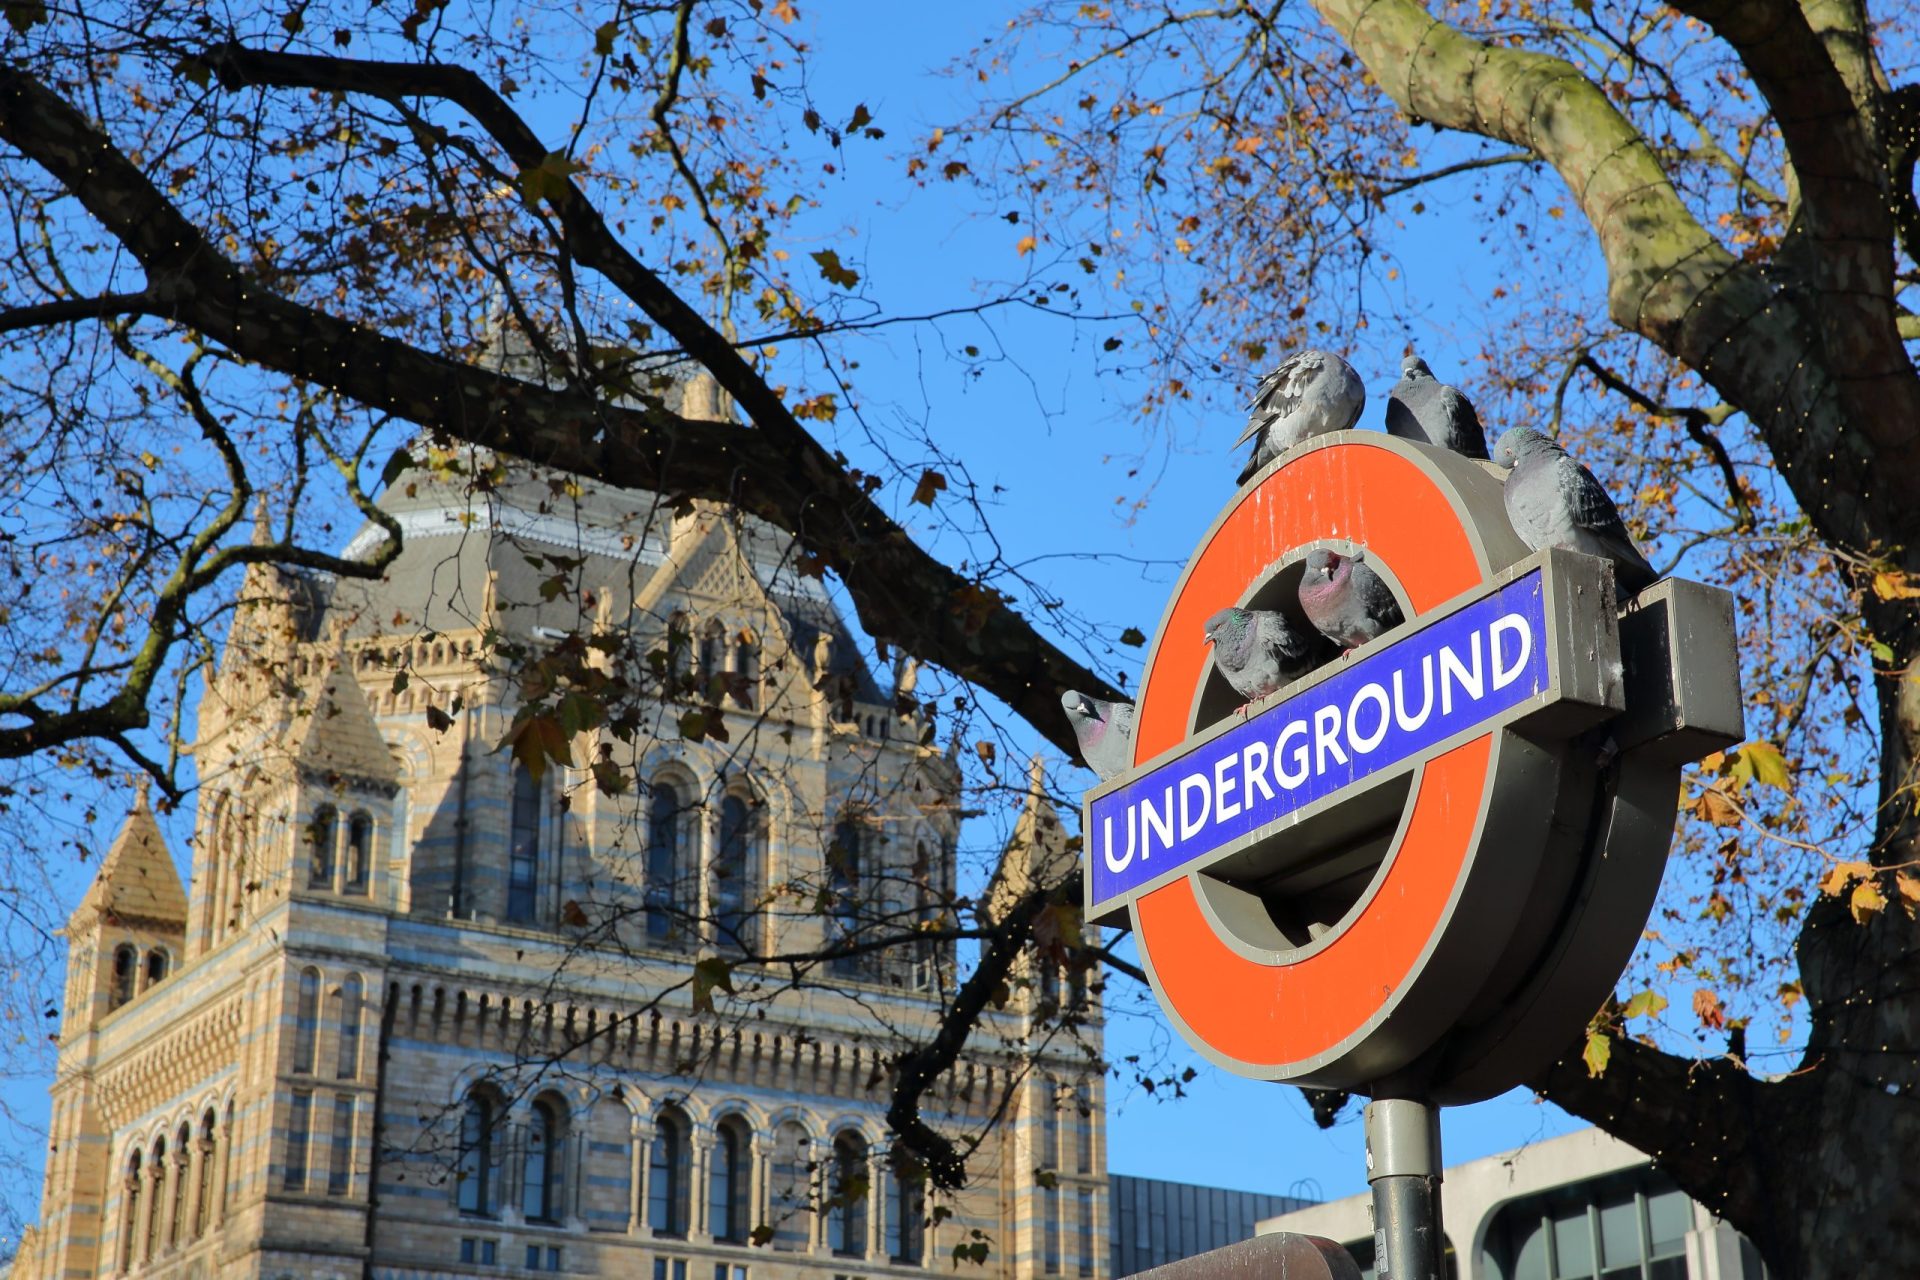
1255	425
1632	574
1253	466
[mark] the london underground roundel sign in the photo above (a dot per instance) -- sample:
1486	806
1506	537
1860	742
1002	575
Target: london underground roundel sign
1427	861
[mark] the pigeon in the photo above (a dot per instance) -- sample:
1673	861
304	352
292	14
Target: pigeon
1554	501
1105	731
1259	650
1311	393
1421	407
1346	600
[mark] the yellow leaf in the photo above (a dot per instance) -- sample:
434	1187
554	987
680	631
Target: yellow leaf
1867	902
1027	245
1599	1049
1835	882
1644	1004
1909	887
1891	584
1766	763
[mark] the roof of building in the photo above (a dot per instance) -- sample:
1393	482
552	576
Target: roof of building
337	735
137	880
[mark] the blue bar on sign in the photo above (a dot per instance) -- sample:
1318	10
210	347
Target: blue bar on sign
1454	674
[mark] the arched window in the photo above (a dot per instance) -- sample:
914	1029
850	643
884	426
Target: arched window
126	966
728	1178
791	1204
306	1018
713	651
667	1165
320	842
156	966
847	1207
544	1171
348	1009
666	864
735	878
906	1214
746	666
182	1189
845	856
359	853
203	1194
523	849
156	1197
130	1212
474	1171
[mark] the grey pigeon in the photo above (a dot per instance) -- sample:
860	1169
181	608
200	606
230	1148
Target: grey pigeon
1311	393
1554	501
1421	407
1105	731
1259	650
1346	600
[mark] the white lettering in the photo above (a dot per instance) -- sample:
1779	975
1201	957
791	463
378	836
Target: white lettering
1400	717
1151	822
1133	824
1191	822
1326	737
1254	775
1368	693
1472	682
1223	787
1291	778
1513	622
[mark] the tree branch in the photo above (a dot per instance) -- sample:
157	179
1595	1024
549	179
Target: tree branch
1699	424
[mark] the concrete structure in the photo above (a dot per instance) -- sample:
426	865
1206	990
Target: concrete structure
424	1012
1577	1207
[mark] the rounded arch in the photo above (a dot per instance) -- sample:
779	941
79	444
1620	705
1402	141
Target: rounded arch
730	1178
669	1170
543	1172
482	1111
672	813
848	1191
124	975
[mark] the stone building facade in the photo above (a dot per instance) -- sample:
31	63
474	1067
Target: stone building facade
423	1012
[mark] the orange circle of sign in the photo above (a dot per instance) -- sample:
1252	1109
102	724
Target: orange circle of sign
1273	1015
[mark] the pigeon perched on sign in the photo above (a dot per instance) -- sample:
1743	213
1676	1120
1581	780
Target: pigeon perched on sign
1105	731
1421	407
1259	650
1554	501
1311	393
1346	600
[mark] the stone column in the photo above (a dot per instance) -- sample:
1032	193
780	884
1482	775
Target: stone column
641	1158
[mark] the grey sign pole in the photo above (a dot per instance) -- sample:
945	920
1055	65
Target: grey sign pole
1403	1169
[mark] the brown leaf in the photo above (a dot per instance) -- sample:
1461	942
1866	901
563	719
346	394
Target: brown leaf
1707	1006
931	483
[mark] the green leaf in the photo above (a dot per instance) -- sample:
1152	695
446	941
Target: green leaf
1767	764
708	974
1644	1004
581	712
1599	1049
191	68
1133	636
548	179
1882	652
761	1235
693	726
834	273
401	680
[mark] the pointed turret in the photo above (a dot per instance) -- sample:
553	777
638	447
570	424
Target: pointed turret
129	931
339	738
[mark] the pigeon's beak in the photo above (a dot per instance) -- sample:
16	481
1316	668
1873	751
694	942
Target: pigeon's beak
1206	637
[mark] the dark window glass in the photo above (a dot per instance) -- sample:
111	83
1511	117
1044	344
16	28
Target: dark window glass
340	1161
156	966
541	1185
320	838
791	1203
475	1171
847	1220
306	1018
1050	1244
734	867
666	821
348	1065
727	1182
182	1159
667	1175
130	1215
905	1213
523	848
203	1198
299	1136
126	964
1086	1233
844	870
713	647
359	853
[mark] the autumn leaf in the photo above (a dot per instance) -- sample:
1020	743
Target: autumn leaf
438	720
985	750
1644	1004
931	483
1025	246
1133	636
1761	762
547	181
833	272
1707	1007
1866	902
573	914
1909	887
603	38
24	15
1599	1049
1891	584
709	974
1716	807
1842	874
537	739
